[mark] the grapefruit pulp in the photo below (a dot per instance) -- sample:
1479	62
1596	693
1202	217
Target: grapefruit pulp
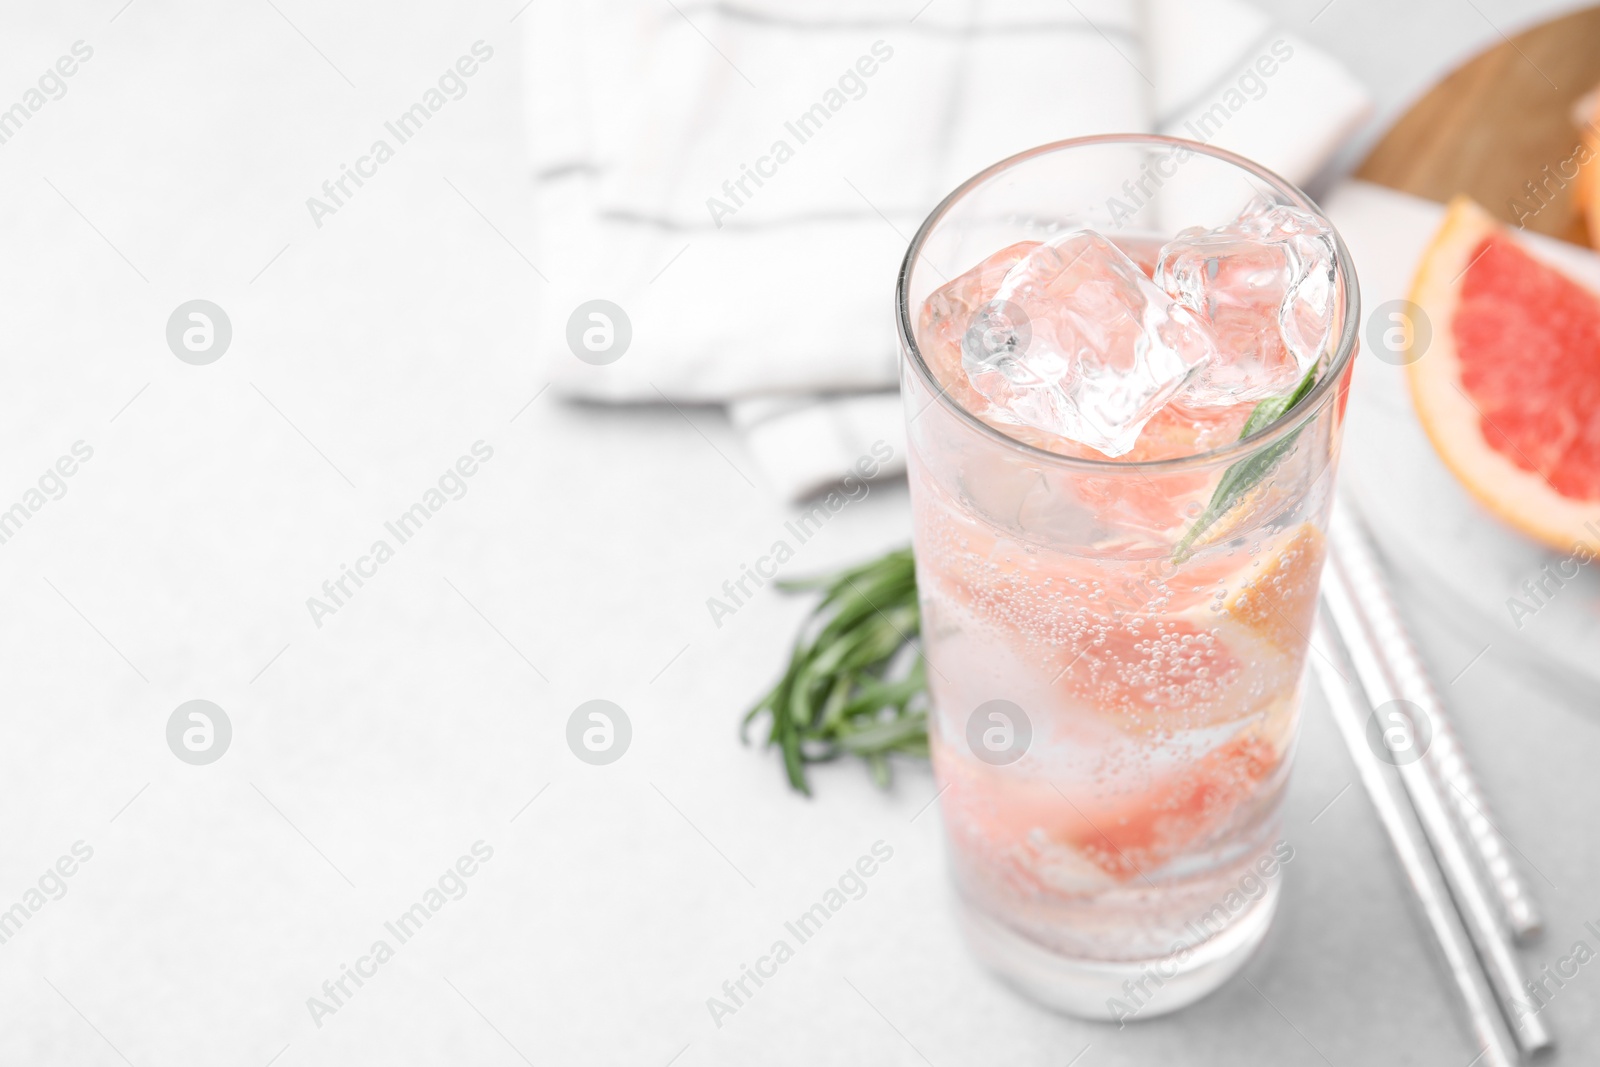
1509	389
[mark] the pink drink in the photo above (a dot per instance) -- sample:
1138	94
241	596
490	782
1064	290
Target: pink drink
1115	661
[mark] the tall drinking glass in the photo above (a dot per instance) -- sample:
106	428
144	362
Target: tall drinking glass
1115	648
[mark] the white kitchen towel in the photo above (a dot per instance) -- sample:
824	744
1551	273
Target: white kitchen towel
740	180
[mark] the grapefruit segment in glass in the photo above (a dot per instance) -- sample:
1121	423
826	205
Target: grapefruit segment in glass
1278	603
1043	831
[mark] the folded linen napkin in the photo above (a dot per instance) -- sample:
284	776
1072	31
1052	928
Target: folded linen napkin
741	178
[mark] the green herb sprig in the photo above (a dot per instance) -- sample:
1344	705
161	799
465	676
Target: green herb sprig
848	689
1249	472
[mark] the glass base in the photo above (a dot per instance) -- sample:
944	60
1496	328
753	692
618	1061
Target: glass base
1119	991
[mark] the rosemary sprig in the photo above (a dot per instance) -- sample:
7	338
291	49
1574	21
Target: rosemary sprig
1249	472
849	689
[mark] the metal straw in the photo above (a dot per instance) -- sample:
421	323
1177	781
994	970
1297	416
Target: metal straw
1466	883
1337	676
1409	680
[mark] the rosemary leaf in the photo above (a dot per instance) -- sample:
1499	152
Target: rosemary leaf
1251	471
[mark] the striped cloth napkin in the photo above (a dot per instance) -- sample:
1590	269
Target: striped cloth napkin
741	178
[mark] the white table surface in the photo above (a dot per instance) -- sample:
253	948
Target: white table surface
370	753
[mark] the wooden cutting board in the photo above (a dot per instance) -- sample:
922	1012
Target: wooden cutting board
1496	122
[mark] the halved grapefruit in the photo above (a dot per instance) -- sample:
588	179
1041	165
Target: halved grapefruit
1509	389
1586	190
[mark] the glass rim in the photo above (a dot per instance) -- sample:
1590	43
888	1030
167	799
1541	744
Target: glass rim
1308	408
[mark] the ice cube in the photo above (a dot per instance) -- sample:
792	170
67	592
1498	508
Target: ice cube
1264	284
949	311
1079	342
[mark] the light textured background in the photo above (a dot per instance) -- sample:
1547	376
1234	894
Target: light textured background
374	751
